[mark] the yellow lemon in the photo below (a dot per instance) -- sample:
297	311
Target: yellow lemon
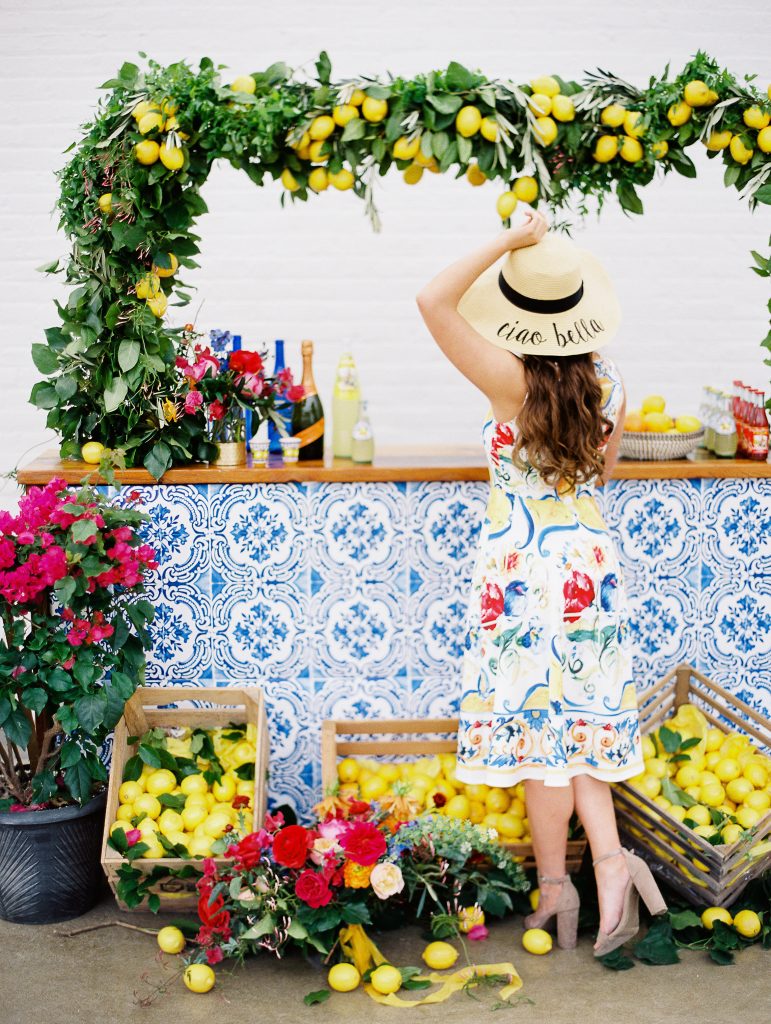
714	739
105	202
562	108
142	108
537	941
758	800
373	109
304	140
605	149
754	117
476	811
374	788
439	955
540	104
154	850
225	789
700	814
148	826
357	97
677	812
244	83
125	813
468	121
343	978
386	979
474	175
344	113
657	767
147	151
631	150
92	452
488	129
650	785
712	794
526	188
199	846
697	93
747	817
705	831
167	271
727	769
172	157
458	806
147	286
653	403
738	789
660	149
764	140
348	770
739	151
712	914
731	833
289	181
406	149
533	897
546	84
687	424
192	817
170	939
756	774
192	784
656	422
477	791
342	180
516	807
632	124
506	204
215	824
412	174
747	923
545	130
613	115
497	801
150	122
170	821
717	141
318	180
147	804
510	826
199	978
679	113
161	781
321	127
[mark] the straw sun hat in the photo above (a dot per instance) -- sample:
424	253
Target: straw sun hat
548	299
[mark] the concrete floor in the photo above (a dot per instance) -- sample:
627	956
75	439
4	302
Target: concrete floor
100	976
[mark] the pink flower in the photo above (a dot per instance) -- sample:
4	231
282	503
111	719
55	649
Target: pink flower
26	537
492	605
363	843
193	401
296	393
214	955
333	828
312	889
252	383
216	410
19	670
69	663
133	836
477	933
273	822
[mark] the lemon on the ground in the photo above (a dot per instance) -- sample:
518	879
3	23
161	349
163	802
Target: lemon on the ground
747	817
758	800
526	188
731	833
475	175
613	115
545	84
739	151
170	939
679	113
147	804
167	271
373	109
147	151
405	148
756	775
632	124
468	121
343	978
439	955
754	117
747	923
199	978
172	157
728	769
488	129
386	979
537	941
631	150
412	174
150	121
660	149
712	914
697	93
605	149
506	204
545	130
562	108
342	179
764	140
344	113
540	104
161	781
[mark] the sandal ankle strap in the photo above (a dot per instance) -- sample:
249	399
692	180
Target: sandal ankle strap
542	879
605	856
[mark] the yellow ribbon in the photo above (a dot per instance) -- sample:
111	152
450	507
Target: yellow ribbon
362	951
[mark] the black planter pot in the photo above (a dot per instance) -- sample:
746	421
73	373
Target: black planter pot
49	863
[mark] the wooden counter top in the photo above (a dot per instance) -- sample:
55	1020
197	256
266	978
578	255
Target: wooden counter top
402	463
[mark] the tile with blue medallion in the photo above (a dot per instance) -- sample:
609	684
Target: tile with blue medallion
434	696
736	516
180	631
663	626
357	629
736	624
437	624
445	521
258	531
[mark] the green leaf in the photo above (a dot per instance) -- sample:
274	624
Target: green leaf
83	530
459	78
128	353
264	926
66	386
723	957
355	129
158	460
675	794
78	781
17	728
45	359
694	741
65	589
445	103
43	395
128	73
465	149
670	740
616	961
323	68
115	394
69	754
763	194
356	913
132	769
91	710
628	197
35	698
149	755
731	175
658	946
111	316
684	919
118	841
319	996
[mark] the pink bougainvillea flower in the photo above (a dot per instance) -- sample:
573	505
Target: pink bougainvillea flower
193	401
477	933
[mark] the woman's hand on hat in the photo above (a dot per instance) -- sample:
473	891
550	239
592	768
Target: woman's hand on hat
529	232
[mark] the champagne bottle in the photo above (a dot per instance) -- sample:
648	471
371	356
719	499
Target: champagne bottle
308	414
345	406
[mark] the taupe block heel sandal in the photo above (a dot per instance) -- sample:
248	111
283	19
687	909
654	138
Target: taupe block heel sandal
641	883
565	910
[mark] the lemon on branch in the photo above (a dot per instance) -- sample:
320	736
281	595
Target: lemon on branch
412	174
150	122
172	157
289	181
632	124
475	175
718	140
545	130
526	188
406	149
679	113
373	109
344	113
546	84
764	140
660	149
167	271
468	121
105	202
92	452
562	108
741	153
142	108
540	104
754	117
357	97
605	149
613	115
157	304
244	83
698	94
506	204
147	151
317	179
488	129
631	150
321	127
315	151
342	180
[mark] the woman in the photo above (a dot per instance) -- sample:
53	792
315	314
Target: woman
548	696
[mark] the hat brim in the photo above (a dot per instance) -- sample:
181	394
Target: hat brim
592	323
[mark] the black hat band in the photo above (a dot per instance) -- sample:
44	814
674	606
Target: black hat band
539	305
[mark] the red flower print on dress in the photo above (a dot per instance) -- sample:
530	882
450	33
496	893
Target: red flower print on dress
599	555
503	438
579	594
492	605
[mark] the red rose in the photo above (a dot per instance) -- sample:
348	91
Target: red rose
211	912
249	850
312	889
363	843
290	846
245	362
579	594
492	605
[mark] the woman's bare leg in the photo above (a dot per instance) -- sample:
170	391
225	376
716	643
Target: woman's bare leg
594	805
548	810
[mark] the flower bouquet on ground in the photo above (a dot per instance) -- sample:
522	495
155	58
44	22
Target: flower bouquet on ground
72	570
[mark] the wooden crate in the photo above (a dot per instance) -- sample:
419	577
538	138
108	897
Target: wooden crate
702	873
339	739
234	706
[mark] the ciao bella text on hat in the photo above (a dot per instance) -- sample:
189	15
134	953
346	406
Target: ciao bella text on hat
551	298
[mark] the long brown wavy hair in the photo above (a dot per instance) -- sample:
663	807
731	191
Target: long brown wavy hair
561	425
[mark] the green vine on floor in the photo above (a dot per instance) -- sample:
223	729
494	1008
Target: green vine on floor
130	195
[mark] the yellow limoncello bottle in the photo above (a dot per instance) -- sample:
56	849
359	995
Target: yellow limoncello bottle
345	406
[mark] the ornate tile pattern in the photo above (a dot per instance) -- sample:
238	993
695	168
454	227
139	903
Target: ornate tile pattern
348	600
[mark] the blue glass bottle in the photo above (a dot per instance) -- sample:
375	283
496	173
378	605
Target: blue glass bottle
286	412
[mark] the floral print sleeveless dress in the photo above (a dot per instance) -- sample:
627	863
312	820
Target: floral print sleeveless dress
547	676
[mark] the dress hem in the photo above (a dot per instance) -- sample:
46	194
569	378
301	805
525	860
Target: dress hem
503	777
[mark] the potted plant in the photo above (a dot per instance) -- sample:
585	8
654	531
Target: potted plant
74	636
231	391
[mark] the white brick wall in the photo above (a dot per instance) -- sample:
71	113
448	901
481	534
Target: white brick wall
693	312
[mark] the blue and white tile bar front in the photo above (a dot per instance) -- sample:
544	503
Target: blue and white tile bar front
342	590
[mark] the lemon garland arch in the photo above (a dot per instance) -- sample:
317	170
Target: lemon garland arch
130	195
